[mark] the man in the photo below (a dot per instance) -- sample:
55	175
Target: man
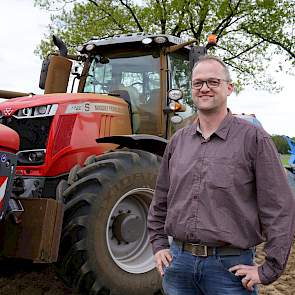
220	192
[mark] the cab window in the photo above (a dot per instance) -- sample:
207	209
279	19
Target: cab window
180	78
139	76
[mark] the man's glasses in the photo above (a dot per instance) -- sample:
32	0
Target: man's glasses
211	83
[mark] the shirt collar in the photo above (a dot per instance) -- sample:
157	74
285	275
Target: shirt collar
222	130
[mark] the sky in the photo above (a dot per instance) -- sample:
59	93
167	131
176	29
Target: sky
23	27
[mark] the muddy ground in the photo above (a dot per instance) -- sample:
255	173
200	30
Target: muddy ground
22	278
285	285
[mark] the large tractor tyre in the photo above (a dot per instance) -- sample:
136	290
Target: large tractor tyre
104	247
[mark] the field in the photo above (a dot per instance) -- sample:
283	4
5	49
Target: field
285	285
285	159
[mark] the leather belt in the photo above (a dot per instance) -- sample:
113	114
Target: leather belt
204	250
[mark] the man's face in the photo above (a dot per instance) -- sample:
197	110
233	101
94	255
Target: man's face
210	98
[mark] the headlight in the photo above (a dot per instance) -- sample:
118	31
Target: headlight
41	110
38	111
175	94
31	157
26	112
36	156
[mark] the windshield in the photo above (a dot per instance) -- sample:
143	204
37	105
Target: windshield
136	76
142	72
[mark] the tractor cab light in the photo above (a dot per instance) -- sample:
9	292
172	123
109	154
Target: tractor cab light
175	94
147	41
160	39
90	47
212	39
174	106
176	119
80	48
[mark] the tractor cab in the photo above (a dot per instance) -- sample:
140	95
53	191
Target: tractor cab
150	72
140	70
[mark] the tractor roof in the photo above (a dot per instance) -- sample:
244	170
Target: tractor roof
133	38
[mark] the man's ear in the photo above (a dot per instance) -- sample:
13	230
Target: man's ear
230	88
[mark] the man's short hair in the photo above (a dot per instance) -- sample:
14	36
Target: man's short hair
217	59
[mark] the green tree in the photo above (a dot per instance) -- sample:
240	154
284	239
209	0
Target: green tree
250	33
281	144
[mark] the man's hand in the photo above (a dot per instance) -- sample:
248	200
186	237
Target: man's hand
162	257
250	273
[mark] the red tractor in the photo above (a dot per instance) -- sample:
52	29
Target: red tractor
88	161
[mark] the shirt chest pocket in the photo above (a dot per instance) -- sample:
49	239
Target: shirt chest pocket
220	174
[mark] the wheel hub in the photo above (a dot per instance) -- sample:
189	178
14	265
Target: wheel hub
128	227
127	236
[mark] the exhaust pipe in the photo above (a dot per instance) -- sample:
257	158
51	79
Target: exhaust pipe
63	51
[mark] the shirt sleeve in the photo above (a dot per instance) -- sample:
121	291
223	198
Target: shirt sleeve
276	207
158	208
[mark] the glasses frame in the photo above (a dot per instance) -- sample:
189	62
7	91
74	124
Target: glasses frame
206	81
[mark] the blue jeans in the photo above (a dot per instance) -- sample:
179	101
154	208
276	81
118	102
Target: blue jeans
191	275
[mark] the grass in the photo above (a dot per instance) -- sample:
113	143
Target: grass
285	159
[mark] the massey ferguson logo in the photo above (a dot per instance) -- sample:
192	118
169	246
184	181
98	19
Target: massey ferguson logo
7	111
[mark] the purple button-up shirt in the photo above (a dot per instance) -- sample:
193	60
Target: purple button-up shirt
230	188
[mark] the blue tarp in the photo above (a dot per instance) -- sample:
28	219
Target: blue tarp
292	149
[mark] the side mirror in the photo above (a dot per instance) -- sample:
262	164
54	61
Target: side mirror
58	74
43	73
196	52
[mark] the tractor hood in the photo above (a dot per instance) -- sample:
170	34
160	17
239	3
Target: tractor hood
8	107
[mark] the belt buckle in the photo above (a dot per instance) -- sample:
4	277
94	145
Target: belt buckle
199	250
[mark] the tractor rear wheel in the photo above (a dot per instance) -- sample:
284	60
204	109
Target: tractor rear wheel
104	245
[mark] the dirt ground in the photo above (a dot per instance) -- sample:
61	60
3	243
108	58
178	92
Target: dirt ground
285	285
23	278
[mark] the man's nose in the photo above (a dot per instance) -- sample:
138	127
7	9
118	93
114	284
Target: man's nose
205	87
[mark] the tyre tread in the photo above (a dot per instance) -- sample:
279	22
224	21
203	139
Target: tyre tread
86	184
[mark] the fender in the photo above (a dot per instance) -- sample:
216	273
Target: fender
150	143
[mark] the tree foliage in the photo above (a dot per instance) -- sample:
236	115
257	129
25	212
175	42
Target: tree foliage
281	144
250	32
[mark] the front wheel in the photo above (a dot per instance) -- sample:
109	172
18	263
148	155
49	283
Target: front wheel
104	246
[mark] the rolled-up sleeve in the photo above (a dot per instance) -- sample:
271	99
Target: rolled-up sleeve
276	209
158	208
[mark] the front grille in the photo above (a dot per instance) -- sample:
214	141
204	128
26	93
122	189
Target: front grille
63	134
33	132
